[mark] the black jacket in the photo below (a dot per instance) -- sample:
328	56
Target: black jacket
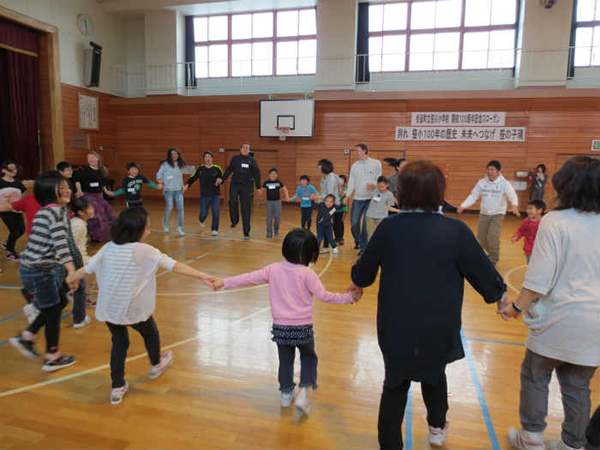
208	177
244	170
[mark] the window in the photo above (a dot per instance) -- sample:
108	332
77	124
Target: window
256	44
587	33
425	35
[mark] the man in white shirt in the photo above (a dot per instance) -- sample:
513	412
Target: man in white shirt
494	190
362	181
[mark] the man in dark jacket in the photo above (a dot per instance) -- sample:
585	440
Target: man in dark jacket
245	173
209	175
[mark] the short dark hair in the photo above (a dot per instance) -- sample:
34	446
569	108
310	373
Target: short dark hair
421	184
364	146
382	179
394	162
538	204
331	196
305	177
131	165
79	204
8	162
541	166
300	247
130	225
343	177
494	163
273	169
208	153
62	166
246	143
46	187
577	184
326	166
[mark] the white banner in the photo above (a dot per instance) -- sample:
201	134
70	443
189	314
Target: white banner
463	119
467	134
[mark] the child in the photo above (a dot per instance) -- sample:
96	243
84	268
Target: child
340	213
66	170
126	270
529	227
382	202
131	186
41	269
273	186
82	211
325	222
306	193
292	285
11	190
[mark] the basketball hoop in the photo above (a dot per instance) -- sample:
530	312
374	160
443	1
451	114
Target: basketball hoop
283	132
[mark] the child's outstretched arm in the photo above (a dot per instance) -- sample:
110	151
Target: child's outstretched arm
184	269
318	290
246	279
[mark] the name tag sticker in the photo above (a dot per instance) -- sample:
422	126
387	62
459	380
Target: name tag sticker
377	199
332	212
245	166
305	198
170	177
130	189
94	184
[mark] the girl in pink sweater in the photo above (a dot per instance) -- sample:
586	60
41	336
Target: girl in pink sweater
292	285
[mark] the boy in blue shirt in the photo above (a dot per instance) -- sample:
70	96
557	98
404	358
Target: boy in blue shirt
306	193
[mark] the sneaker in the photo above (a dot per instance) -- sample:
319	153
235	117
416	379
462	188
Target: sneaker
89	303
276	232
180	231
4	246
356	247
323	251
437	436
286	398
335	251
302	401
166	227
31	312
27	295
59	363
165	361
232	226
117	394
24	347
560	445
215	233
340	242
246	237
201	224
526	440
12	256
269	236
87	319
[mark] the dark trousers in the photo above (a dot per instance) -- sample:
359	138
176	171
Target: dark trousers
79	298
245	195
50	319
592	433
120	344
338	225
327	234
393	403
211	202
308	366
16	228
306	217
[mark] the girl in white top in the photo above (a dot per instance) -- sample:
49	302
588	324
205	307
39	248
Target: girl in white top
126	272
82	211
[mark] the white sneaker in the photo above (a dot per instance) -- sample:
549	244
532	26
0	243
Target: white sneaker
31	312
560	445
165	361
286	398
437	436
166	227
180	231
201	224
215	233
302	401
335	251
526	440
87	319
117	394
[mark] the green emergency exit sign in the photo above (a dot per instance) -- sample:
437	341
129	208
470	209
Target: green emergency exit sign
596	145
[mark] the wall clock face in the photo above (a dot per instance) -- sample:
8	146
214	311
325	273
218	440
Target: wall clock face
85	24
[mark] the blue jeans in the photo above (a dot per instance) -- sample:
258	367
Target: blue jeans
79	297
178	197
358	215
327	234
213	203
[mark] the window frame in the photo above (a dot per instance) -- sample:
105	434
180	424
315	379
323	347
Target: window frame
575	25
461	29
274	40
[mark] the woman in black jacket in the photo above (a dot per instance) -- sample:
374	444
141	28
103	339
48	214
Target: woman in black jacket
424	259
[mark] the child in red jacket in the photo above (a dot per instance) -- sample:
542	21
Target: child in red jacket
529	227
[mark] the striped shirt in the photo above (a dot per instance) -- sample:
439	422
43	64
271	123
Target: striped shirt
47	245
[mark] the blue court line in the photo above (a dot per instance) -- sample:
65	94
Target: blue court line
482	403
492	341
11	317
9	286
408	423
63	317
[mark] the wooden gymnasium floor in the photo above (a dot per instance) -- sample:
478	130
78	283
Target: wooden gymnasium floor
221	391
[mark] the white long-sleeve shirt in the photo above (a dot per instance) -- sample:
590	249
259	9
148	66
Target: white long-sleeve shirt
493	196
363	171
80	236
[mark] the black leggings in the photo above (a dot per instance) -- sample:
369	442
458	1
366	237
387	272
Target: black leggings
306	217
120	344
50	318
16	228
393	403
338	225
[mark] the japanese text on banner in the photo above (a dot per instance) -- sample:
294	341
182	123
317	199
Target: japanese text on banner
472	119
467	134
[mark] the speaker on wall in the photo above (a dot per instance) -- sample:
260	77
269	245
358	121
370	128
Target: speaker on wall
91	65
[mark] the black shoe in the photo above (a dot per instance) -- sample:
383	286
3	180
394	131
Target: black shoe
59	363
356	247
24	347
233	226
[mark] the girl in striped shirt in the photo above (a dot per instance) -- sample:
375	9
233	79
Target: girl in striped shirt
41	270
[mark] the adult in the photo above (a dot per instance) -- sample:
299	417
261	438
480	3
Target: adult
330	184
560	298
11	190
209	174
493	189
538	182
363	177
89	183
245	173
171	177
419	321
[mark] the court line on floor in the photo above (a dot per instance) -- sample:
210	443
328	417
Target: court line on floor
493	341
9	286
64	316
480	396
144	355
509	273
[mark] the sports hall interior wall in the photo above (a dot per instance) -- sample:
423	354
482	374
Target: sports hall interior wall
142	129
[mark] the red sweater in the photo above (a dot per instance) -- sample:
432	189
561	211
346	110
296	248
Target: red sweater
529	229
